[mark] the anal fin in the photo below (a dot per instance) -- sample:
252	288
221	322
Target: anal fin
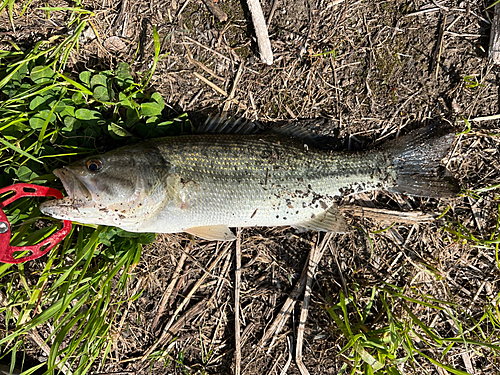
330	220
212	232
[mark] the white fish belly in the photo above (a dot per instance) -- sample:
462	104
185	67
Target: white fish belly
250	203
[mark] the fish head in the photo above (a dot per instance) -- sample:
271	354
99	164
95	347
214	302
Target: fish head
121	188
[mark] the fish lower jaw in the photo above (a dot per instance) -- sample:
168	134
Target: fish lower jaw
63	209
55	209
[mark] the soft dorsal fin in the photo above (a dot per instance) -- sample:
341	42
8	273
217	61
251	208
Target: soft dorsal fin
212	232
309	137
330	220
293	131
225	125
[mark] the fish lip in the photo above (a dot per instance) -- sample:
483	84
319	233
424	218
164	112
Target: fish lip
73	185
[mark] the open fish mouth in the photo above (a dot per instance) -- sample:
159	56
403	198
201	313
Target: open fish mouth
79	196
75	188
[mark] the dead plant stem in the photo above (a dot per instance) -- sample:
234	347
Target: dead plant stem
237	288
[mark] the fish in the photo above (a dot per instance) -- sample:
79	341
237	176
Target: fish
230	176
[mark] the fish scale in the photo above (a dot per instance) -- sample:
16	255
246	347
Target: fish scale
255	180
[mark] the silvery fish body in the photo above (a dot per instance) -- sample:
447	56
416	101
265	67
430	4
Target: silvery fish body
203	184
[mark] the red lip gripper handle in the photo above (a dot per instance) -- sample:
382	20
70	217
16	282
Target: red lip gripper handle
7	251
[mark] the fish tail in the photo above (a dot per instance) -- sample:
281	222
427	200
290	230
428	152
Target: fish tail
417	162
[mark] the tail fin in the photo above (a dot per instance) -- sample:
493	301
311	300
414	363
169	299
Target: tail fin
417	163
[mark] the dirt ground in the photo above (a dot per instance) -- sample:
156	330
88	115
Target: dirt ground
363	71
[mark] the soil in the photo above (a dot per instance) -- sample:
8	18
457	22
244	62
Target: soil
363	71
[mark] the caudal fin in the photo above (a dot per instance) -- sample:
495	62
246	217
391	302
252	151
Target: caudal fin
417	163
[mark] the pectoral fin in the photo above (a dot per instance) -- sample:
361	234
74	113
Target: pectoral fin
330	220
212	232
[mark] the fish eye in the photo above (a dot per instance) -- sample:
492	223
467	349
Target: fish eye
94	165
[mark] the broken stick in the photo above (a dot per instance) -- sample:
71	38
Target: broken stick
259	25
494	49
237	291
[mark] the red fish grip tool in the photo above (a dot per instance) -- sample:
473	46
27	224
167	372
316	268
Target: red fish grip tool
6	250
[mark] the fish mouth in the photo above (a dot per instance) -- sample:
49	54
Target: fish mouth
79	196
77	191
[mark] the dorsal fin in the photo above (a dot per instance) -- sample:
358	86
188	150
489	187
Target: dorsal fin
227	125
330	220
293	131
309	137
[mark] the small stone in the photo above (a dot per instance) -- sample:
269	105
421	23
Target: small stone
87	35
114	43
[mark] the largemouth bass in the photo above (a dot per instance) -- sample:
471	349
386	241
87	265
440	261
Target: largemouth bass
203	184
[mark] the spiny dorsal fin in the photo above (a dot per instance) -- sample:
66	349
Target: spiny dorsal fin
227	125
212	232
330	220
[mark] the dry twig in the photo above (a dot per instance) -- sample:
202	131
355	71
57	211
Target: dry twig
200	65
184	320
285	312
314	258
237	285
289	341
494	48
436	56
379	214
212	85
230	98
170	288
287	307
217	53
166	331
259	25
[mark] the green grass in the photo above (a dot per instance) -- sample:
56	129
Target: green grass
48	119
384	331
402	339
80	300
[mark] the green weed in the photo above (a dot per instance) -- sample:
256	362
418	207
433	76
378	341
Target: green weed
400	338
47	119
385	332
471	82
